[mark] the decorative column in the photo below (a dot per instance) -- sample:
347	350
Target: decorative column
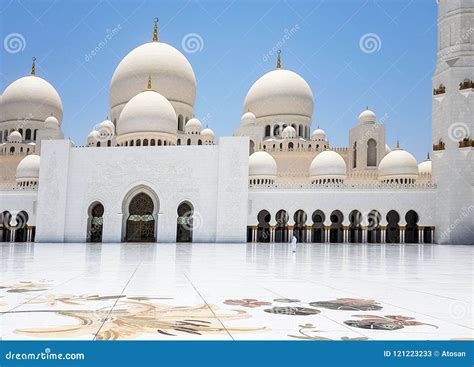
382	234
290	232
364	234
326	234
272	234
12	234
402	234
345	234
254	234
420	235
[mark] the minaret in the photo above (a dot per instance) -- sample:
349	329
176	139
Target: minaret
453	123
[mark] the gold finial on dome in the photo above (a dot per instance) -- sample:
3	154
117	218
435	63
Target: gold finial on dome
398	144
155	30
279	60
33	66
149	87
428	156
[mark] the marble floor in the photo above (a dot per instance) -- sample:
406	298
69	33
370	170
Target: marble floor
236	292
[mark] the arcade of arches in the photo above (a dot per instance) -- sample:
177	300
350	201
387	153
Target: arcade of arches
15	228
336	232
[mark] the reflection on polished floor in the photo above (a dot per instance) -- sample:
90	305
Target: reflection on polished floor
236	292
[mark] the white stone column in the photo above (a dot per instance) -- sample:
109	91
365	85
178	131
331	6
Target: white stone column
420	236
364	235
254	235
272	234
382	235
402	235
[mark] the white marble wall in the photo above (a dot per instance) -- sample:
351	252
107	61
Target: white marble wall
212	178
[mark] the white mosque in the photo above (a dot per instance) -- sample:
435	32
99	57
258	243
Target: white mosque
154	173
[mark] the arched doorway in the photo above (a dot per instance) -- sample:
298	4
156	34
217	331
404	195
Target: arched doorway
281	230
355	228
263	229
317	230
336	233
184	226
5	226
95	222
299	230
411	229
140	225
371	153
251	147
21	230
373	228
393	229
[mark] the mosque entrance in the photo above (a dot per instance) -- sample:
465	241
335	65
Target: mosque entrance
140	222
184	228
96	222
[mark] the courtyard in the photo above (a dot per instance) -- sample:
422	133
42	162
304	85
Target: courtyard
235	292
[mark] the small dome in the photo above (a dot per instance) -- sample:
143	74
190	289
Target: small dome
248	118
193	126
148	112
15	137
262	165
367	117
328	165
288	132
424	168
207	133
51	122
28	168
318	134
398	164
106	129
93	137
280	92
32	98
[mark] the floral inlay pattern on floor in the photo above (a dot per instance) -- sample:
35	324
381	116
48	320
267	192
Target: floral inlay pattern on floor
348	304
388	322
130	318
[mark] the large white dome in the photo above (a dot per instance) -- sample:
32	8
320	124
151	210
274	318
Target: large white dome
398	164
328	165
424	168
169	69
148	111
262	165
28	168
280	92
31	98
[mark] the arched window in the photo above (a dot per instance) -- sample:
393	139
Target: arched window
336	233
371	153
138	143
152	142
21	231
355	228
276	130
184	228
109	143
178	142
281	230
189	141
300	131
299	230
95	222
317	230
145	142
393	229
374	234
28	134
180	123
159	142
36	131
199	142
98	144
267	130
354	155
290	146
263	227
411	229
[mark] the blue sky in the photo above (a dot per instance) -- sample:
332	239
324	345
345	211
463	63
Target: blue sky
323	46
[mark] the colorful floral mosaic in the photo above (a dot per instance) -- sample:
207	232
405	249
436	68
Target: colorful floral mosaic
293	311
246	302
388	322
349	304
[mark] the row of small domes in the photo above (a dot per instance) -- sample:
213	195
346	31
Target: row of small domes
329	164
